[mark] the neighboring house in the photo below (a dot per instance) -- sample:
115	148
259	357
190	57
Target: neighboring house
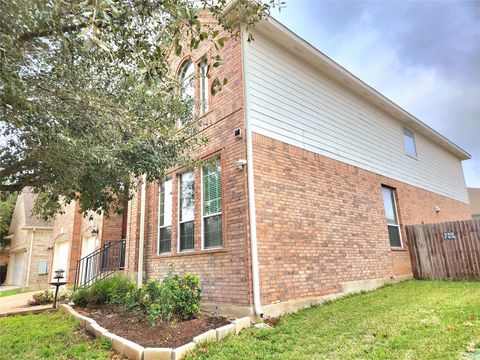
30	238
315	176
474	195
76	236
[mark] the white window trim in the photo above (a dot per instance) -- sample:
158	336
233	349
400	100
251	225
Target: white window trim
163	226
179	211
203	77
394	193
189	61
402	127
207	216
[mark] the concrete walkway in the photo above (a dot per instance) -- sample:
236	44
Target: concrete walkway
17	304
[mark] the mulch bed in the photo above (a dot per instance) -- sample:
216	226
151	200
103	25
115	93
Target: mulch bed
135	327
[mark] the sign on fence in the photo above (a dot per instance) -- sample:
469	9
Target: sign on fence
449	235
449	250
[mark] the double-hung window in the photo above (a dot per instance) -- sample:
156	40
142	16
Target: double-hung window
409	142
186	211
212	204
187	75
392	217
203	87
165	217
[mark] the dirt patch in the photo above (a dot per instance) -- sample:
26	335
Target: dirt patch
135	327
272	321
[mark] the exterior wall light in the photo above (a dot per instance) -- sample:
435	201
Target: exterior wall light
437	210
241	163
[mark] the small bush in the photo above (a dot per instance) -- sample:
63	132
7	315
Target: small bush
45	297
112	290
175	297
80	297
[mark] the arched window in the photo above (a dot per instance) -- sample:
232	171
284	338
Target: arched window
187	75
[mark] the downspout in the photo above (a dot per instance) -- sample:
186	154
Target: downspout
30	251
141	240
251	189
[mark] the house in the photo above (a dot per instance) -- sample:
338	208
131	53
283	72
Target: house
76	235
30	238
312	179
474	195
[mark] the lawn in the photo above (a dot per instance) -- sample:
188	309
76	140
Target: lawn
53	335
9	293
410	320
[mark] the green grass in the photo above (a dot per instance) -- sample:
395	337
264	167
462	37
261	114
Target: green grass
9	293
410	320
52	335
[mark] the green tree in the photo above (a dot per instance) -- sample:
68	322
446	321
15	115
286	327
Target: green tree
7	205
88	101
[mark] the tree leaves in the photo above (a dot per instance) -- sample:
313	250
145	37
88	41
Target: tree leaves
88	97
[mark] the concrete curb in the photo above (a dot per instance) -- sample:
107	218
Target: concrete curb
135	351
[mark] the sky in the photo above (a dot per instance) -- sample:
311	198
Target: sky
423	55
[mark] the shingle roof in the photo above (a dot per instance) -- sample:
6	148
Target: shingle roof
28	198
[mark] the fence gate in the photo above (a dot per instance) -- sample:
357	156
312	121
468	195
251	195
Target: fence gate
449	250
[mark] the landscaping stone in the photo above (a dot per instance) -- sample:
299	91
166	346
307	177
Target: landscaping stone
97	330
180	352
210	335
242	323
132	350
88	325
224	331
157	354
117	342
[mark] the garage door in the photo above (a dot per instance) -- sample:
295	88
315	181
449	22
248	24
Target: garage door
18	262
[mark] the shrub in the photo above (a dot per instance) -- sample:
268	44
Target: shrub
112	290
174	297
80	297
45	297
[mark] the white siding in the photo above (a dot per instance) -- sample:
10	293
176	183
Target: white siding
291	101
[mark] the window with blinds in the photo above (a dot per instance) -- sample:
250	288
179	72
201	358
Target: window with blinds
165	218
212	204
186	211
392	217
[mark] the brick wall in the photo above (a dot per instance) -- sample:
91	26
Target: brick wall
225	273
72	226
42	240
321	222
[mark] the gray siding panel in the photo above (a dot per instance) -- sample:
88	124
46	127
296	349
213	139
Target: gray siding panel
292	102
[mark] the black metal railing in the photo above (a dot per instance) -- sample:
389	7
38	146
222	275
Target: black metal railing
100	264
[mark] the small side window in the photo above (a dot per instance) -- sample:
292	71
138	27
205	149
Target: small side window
409	142
43	267
391	214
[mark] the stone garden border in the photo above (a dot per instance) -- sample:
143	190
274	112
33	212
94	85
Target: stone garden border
136	352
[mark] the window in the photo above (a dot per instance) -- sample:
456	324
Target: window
43	267
203	87
392	216
212	204
165	218
187	211
188	85
409	142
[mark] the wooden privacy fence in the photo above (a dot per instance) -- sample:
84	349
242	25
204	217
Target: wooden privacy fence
449	250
